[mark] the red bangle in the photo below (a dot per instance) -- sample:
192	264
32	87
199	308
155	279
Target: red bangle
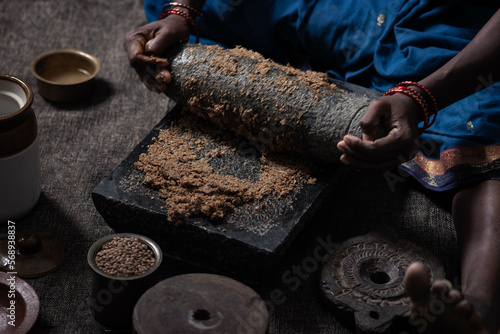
177	4
429	95
182	13
417	98
416	84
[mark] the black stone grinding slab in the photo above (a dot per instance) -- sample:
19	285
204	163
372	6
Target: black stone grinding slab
246	243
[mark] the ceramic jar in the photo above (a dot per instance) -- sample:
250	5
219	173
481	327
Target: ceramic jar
19	152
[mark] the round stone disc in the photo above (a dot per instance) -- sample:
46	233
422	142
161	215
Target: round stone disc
200	303
363	278
36	254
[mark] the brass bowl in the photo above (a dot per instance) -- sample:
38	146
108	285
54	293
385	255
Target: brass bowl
65	75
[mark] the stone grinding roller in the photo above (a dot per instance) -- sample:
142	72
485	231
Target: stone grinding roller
278	107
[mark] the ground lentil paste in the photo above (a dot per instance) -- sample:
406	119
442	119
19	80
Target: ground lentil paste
178	165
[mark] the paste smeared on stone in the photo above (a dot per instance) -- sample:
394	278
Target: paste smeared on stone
179	165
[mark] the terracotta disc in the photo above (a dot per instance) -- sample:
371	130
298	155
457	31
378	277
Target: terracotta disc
200	303
37	254
362	280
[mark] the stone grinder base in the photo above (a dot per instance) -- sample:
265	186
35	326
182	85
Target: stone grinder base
246	244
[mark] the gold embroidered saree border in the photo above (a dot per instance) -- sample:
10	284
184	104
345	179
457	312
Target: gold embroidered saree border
473	155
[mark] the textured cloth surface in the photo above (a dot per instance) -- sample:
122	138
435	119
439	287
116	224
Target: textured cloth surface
81	143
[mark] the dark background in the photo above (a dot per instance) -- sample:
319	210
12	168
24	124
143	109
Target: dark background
81	143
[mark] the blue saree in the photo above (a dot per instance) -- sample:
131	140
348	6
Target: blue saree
377	44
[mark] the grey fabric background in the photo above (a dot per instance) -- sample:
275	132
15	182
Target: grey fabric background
81	143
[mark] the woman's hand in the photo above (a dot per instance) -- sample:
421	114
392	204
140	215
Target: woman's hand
400	115
452	82
145	46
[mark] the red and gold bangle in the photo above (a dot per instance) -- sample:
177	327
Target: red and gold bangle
176	11
417	98
429	95
178	4
416	84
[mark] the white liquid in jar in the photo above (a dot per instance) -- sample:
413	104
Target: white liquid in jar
8	104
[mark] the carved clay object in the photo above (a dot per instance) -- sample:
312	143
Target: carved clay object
362	280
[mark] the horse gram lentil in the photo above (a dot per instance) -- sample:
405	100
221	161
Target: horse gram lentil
125	256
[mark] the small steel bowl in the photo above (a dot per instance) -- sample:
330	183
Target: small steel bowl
96	247
65	75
